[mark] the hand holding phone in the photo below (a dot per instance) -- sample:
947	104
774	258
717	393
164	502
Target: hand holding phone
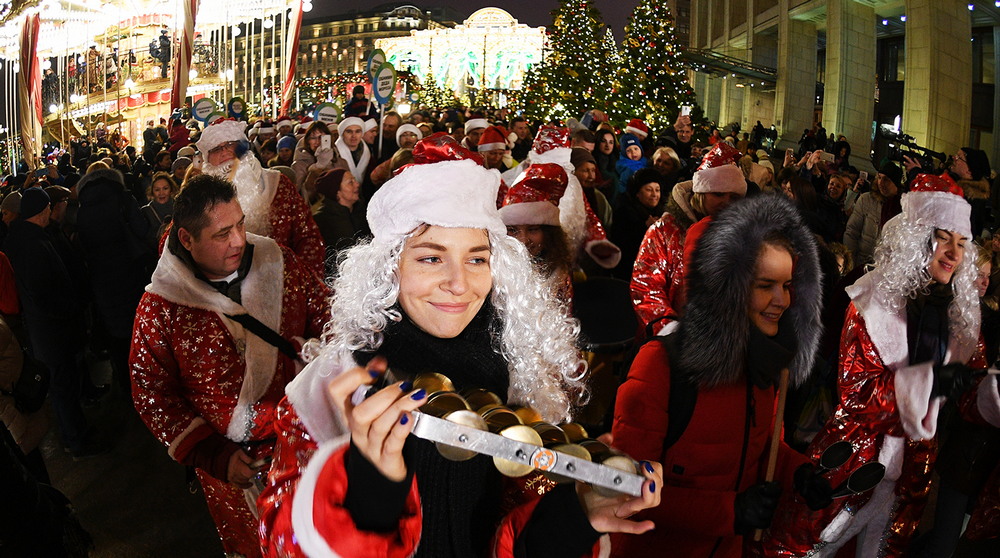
685	111
324	141
863	175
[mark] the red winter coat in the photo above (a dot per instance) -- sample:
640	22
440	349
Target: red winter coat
702	471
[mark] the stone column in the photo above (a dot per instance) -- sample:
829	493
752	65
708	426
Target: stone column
795	93
848	103
938	86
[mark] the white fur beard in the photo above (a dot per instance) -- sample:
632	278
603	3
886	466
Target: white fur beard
247	180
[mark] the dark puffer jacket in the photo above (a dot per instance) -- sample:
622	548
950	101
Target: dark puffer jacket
112	232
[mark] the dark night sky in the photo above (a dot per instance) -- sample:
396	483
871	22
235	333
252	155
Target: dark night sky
531	12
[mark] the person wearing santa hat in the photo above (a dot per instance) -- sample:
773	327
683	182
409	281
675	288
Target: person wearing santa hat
492	146
585	231
407	135
369	133
910	335
531	212
440	286
271	203
354	153
265	131
473	129
658	274
284	126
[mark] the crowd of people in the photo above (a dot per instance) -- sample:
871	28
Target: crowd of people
250	282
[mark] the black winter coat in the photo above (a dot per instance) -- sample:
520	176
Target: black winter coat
112	232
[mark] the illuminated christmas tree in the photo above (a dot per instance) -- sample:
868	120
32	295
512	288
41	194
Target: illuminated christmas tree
652	82
576	74
434	95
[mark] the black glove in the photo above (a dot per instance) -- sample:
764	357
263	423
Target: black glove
951	380
755	507
814	488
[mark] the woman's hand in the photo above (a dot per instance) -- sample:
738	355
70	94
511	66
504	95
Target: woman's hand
610	514
379	424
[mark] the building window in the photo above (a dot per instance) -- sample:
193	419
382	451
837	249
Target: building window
891	59
983	56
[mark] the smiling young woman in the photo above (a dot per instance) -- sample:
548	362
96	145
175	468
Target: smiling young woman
442	288
910	332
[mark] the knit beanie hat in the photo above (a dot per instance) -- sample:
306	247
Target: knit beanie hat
978	162
627	140
33	201
287	142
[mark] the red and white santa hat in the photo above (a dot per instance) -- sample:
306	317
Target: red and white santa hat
221	131
474	123
492	138
535	199
408	128
638	128
266	127
718	172
283	121
937	201
444	191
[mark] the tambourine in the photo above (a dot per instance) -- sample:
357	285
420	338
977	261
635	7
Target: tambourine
463	425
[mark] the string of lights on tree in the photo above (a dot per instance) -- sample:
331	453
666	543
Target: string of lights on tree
651	81
576	74
584	68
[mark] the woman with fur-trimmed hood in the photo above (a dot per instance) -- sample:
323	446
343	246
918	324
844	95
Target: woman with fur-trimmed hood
910	330
753	309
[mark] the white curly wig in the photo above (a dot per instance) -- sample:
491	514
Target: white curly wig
901	258
536	338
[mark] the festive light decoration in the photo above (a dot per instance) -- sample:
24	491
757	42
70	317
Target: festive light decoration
577	73
489	50
651	83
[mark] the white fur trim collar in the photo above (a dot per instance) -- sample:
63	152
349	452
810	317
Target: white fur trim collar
357	170
261	294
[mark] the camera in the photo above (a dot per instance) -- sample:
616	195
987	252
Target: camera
892	144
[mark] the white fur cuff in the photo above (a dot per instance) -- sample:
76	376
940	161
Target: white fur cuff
988	400
917	411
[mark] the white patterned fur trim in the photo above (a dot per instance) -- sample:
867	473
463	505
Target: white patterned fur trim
918	411
988	400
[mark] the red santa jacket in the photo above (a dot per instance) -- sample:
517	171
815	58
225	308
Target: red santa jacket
719	455
658	273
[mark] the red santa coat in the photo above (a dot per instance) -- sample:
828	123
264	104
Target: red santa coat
658	274
196	372
292	224
886	412
302	509
702	474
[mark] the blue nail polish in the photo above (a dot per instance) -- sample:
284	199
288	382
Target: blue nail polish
652	487
418	395
406	386
404	419
374	373
649	468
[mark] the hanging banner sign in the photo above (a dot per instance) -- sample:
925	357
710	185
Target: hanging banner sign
375	61
326	113
384	83
237	108
202	108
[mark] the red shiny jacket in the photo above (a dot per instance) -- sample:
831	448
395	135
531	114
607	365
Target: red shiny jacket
658	273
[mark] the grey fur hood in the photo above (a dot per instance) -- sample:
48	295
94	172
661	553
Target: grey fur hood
100	176
715	328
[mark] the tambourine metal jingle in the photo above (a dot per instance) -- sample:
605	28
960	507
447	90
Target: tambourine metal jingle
441	403
574	431
479	398
464	417
524	434
570	449
432	382
500	418
550	433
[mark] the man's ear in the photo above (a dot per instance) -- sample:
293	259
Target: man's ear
185	238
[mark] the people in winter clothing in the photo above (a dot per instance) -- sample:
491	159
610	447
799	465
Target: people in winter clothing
753	309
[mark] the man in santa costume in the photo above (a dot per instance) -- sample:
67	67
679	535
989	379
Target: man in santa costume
910	330
204	384
493	146
272	205
658	274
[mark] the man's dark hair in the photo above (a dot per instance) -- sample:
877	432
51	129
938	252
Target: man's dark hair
192	204
585	136
517	119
